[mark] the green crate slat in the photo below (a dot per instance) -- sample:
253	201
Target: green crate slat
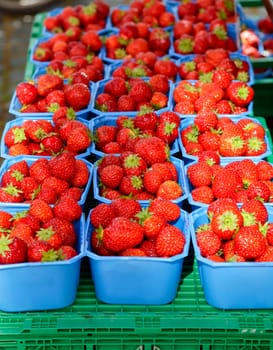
263	100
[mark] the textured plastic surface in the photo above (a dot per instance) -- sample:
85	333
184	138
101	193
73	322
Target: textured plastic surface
179	164
243	285
30	160
15	107
111	120
19	121
99	88
42	285
188	157
137	280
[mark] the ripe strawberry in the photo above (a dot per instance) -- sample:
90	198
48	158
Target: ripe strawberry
40	169
148	247
122	234
23	231
67	208
199	174
169	210
208	242
62	166
170	190
49	235
202	194
229	254
5	220
92	40
41	210
259	190
226	183
152	150
240	93
170	241
141	91
26	92
226	223
133	164
205	120
41	251
131	185
249	242
152	223
111	175
255	146
116	87
102	215
77	95
265	170
254	212
81	174
13	250
52	144
133	252
10	193
47	83
30	188
64	228
152	179
167	131
222	78
78	140
104	134
66	252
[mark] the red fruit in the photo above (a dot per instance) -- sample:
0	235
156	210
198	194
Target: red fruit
170	241
122	234
47	83
208	242
240	93
63	166
26	92
170	190
92	40
13	250
65	229
66	252
116	87
169	210
68	208
41	210
102	215
41	251
141	91
77	95
199	174
202	194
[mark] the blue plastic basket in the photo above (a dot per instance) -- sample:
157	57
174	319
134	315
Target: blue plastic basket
99	88
15	107
19	121
30	160
189	157
34	286
111	120
179	164
233	285
137	280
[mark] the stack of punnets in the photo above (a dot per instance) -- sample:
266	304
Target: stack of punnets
185	301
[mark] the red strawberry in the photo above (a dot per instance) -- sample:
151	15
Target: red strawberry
254	212
63	166
13	250
41	251
111	175
26	92
77	95
41	210
102	215
199	174
47	83
152	150
208	242
67	208
170	241
66	252
169	210
121	234
240	93
141	91
65	229
202	194
170	190
226	223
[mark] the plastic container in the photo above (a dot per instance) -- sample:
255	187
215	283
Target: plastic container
30	160
99	88
111	120
15	107
243	285
189	157
19	121
135	280
41	286
179	164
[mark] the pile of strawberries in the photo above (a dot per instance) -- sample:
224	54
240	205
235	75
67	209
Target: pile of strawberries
240	180
142	174
52	180
236	233
48	93
125	131
122	95
48	137
242	137
39	234
124	228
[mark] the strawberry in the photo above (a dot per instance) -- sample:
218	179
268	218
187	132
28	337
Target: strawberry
136	46
208	242
111	175
64	228
152	223
169	210
78	140
41	210
81	174
249	242
40	169
66	252
225	184
170	241
26	92
50	236
92	40
133	164
259	190
265	170
30	188
167	131
170	189
199	174
102	215
152	150
67	208
41	251
251	128
116	87
205	120
133	252
131	185
52	144
141	91
13	250
226	223
77	95
254	211
126	207
152	179
47	83
255	146
10	193
23	231
122	234
222	78
202	194
240	93
62	166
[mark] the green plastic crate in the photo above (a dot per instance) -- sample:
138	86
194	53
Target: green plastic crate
263	100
